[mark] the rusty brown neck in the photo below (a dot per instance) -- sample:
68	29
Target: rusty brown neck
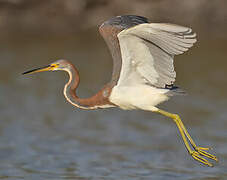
99	100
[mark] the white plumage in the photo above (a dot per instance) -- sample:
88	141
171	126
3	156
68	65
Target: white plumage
147	52
143	71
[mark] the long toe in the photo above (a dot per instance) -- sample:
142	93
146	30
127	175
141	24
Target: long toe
197	157
203	148
201	151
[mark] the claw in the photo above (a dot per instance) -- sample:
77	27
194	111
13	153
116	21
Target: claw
197	157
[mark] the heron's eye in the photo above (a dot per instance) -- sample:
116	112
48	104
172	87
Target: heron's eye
53	65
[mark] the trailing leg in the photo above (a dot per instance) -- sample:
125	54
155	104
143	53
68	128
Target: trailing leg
198	151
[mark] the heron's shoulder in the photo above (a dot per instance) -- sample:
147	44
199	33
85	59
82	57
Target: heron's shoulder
124	22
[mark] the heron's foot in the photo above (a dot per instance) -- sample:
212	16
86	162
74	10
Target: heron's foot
202	151
196	155
199	153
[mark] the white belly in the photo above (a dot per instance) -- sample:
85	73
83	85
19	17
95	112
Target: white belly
138	97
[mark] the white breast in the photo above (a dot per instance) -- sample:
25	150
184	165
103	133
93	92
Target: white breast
138	97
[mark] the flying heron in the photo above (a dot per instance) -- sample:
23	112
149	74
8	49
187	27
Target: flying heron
143	72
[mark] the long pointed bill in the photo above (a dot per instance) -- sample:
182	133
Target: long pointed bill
45	68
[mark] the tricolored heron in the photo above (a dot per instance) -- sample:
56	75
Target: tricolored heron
143	71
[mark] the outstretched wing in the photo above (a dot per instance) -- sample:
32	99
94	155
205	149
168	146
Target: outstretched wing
148	50
109	31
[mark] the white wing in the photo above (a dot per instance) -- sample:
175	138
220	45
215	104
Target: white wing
148	50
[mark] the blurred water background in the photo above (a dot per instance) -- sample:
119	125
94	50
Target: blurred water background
43	137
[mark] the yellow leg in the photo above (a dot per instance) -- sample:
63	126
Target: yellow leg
198	151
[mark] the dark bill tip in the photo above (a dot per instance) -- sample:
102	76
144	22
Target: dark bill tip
34	70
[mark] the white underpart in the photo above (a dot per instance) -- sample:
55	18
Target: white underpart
138	97
105	106
147	52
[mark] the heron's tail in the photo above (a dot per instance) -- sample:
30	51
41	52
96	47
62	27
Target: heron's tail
176	91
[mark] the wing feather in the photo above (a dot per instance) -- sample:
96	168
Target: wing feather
148	50
175	42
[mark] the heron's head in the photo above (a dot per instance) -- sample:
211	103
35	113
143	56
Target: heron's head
59	65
